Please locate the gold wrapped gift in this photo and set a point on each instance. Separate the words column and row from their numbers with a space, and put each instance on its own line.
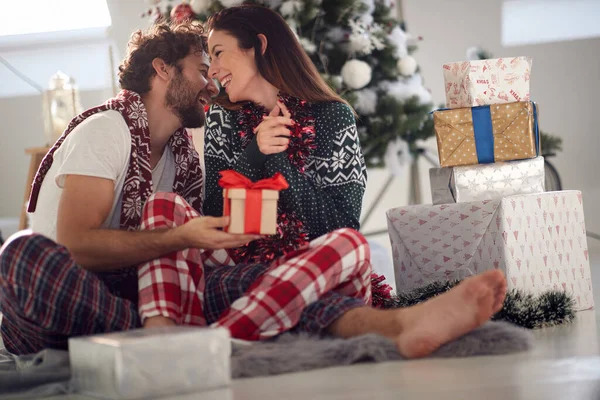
column 487, row 134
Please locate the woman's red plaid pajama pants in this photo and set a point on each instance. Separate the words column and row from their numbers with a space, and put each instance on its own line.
column 311, row 287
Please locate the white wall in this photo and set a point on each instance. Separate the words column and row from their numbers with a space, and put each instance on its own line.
column 21, row 126
column 126, row 18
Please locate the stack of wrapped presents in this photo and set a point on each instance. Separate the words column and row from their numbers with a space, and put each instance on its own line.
column 489, row 208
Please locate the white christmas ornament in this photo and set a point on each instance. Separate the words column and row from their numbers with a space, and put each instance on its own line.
column 290, row 8
column 407, row 66
column 356, row 74
column 399, row 39
column 231, row 3
column 366, row 101
column 199, row 6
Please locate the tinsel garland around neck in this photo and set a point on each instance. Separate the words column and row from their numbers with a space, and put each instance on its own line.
column 553, row 307
column 302, row 139
column 291, row 232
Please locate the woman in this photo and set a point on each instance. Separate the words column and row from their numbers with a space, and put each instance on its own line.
column 278, row 115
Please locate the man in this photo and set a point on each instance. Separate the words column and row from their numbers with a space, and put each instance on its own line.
column 98, row 214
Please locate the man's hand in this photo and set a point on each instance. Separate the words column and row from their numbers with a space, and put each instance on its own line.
column 204, row 233
column 272, row 134
column 85, row 204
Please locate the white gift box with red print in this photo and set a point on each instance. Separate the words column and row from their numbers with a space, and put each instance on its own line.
column 538, row 240
column 485, row 82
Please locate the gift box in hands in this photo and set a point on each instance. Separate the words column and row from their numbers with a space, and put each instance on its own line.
column 251, row 206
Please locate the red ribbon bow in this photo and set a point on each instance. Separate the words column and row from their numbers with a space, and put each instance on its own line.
column 231, row 179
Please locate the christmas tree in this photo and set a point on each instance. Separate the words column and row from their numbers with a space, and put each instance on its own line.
column 362, row 51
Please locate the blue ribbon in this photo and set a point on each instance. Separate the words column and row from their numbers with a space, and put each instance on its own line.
column 484, row 134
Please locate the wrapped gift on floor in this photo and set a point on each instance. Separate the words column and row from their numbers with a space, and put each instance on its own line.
column 484, row 82
column 487, row 134
column 149, row 363
column 252, row 206
column 486, row 181
column 538, row 240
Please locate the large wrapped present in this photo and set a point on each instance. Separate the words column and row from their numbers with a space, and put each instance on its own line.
column 149, row 363
column 538, row 240
column 487, row 134
column 484, row 82
column 486, row 181
column 252, row 206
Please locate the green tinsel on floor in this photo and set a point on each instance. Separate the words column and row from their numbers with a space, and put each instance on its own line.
column 551, row 308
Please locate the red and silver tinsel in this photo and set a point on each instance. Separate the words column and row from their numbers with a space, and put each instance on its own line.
column 292, row 234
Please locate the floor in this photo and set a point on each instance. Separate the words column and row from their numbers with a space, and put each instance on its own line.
column 565, row 364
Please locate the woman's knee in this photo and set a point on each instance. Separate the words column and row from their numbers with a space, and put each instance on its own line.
column 351, row 244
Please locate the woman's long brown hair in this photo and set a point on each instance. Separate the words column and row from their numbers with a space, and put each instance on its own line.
column 284, row 63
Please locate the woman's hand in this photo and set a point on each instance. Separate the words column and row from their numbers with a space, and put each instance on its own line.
column 272, row 134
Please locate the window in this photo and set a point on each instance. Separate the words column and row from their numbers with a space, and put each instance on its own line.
column 45, row 36
column 40, row 16
column 542, row 21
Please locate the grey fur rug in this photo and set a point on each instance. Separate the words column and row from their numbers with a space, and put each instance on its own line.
column 47, row 372
column 293, row 353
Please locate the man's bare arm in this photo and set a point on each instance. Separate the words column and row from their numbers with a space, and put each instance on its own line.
column 85, row 204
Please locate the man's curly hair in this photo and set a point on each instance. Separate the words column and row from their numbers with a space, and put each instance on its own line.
column 170, row 42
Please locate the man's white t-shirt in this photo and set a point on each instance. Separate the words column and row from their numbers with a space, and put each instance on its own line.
column 100, row 146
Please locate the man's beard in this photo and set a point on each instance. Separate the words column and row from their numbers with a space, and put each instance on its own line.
column 182, row 99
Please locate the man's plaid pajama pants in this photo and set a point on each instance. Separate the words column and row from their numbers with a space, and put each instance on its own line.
column 46, row 297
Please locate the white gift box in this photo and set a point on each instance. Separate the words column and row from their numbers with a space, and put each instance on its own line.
column 486, row 181
column 485, row 82
column 148, row 363
column 538, row 240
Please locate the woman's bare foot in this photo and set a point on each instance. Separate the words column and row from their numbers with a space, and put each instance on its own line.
column 154, row 322
column 427, row 326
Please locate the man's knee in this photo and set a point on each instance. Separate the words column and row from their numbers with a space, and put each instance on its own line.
column 19, row 250
column 22, row 254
